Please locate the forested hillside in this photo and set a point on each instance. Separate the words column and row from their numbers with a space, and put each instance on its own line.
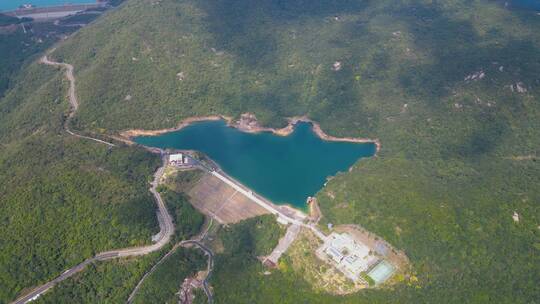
column 451, row 89
column 18, row 45
column 62, row 199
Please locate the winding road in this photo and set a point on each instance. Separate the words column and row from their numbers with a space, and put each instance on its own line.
column 74, row 103
column 186, row 243
column 196, row 241
column 166, row 225
column 210, row 255
column 167, row 230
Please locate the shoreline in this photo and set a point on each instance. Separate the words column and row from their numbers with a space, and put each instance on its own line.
column 129, row 134
column 248, row 123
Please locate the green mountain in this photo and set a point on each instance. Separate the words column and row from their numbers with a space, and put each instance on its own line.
column 451, row 89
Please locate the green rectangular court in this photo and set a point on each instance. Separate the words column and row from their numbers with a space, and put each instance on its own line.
column 382, row 272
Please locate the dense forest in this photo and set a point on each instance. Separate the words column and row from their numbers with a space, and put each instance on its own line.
column 188, row 221
column 112, row 282
column 163, row 284
column 451, row 89
column 105, row 282
column 62, row 199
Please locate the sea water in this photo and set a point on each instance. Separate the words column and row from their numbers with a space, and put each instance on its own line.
column 9, row 5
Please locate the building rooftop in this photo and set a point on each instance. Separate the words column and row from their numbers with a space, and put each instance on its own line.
column 176, row 157
column 351, row 257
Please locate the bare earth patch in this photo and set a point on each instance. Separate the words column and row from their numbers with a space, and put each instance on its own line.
column 214, row 198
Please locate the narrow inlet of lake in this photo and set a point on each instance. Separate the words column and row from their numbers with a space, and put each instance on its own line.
column 284, row 169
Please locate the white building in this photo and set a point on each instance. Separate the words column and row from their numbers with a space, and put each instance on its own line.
column 350, row 257
column 177, row 159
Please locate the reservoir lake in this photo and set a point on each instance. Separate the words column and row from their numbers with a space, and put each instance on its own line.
column 284, row 169
column 9, row 5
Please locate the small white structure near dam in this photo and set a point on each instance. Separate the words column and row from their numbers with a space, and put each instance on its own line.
column 347, row 255
column 178, row 159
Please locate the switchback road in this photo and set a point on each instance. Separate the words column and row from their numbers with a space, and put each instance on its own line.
column 166, row 225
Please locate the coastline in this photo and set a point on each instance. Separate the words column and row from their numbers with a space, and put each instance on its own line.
column 247, row 123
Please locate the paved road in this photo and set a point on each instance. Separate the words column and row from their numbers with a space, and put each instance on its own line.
column 72, row 97
column 284, row 243
column 198, row 241
column 210, row 267
column 267, row 206
column 166, row 224
column 210, row 255
column 34, row 294
column 167, row 230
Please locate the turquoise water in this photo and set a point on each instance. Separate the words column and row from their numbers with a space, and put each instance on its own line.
column 8, row 5
column 284, row 169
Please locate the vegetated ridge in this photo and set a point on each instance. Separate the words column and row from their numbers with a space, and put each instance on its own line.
column 166, row 225
column 451, row 89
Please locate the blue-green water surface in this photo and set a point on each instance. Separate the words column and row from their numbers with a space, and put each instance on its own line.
column 9, row 5
column 284, row 169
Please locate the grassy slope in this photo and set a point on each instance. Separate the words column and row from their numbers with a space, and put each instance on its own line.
column 444, row 186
